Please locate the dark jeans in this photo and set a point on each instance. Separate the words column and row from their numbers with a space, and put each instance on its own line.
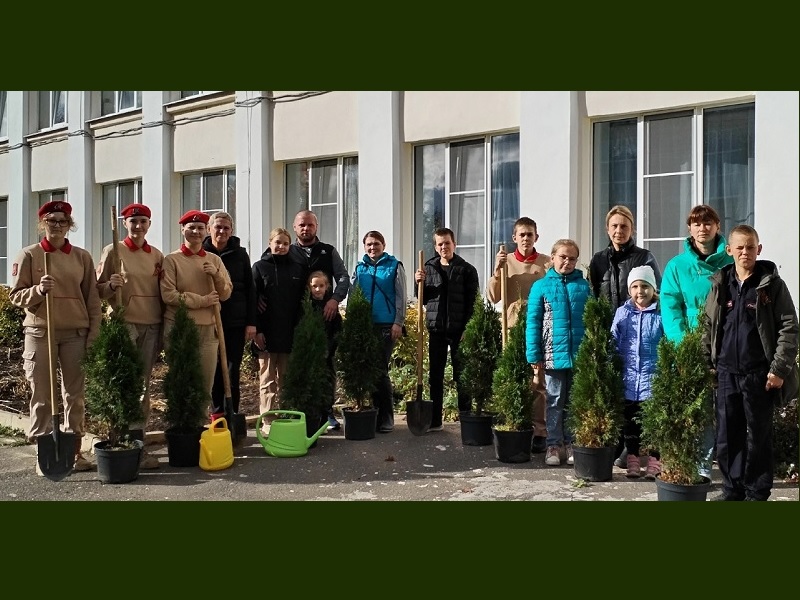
column 632, row 429
column 744, row 434
column 234, row 350
column 438, row 343
column 383, row 397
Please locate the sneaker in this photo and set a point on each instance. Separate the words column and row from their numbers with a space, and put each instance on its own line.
column 568, row 452
column 148, row 461
column 81, row 464
column 634, row 467
column 553, row 456
column 539, row 444
column 333, row 424
column 438, row 427
column 621, row 460
column 653, row 468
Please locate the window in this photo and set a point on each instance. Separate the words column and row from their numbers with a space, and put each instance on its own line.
column 210, row 191
column 54, row 196
column 3, row 115
column 114, row 102
column 190, row 94
column 3, row 239
column 329, row 188
column 52, row 109
column 456, row 186
column 702, row 156
column 118, row 195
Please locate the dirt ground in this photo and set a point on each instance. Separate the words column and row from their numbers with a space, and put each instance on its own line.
column 14, row 391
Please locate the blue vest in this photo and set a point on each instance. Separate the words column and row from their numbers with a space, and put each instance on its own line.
column 377, row 281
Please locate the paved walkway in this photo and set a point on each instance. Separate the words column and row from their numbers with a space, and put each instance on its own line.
column 393, row 466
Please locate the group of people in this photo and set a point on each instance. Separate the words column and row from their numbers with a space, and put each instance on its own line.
column 749, row 326
column 750, row 333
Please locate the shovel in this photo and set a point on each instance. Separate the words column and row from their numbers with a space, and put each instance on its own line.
column 504, row 298
column 419, row 412
column 55, row 452
column 115, row 256
column 237, row 429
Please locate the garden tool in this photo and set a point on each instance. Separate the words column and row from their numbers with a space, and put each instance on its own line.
column 216, row 446
column 504, row 297
column 287, row 437
column 55, row 453
column 236, row 420
column 419, row 412
column 115, row 255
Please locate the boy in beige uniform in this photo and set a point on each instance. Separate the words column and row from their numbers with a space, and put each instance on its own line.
column 186, row 276
column 140, row 272
column 524, row 267
column 75, row 321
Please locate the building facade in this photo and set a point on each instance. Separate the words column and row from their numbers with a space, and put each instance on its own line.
column 404, row 163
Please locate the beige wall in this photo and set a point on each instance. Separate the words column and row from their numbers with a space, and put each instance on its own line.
column 603, row 104
column 50, row 166
column 209, row 144
column 435, row 115
column 117, row 158
column 325, row 125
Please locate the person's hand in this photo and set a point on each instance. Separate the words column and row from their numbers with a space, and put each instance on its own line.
column 500, row 260
column 259, row 341
column 116, row 281
column 212, row 298
column 773, row 382
column 46, row 284
column 249, row 332
column 210, row 269
column 419, row 275
column 397, row 331
column 330, row 310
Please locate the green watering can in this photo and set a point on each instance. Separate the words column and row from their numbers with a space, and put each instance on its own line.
column 287, row 437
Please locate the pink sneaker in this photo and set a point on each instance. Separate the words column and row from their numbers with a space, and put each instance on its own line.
column 653, row 468
column 634, row 467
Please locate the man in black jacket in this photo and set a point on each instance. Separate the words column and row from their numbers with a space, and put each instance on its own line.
column 449, row 292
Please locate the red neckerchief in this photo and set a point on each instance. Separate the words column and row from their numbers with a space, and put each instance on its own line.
column 133, row 247
column 526, row 259
column 187, row 252
column 48, row 247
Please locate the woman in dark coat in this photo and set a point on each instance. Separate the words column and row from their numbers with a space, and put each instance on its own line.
column 280, row 280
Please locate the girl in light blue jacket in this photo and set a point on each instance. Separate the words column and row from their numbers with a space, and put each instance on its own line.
column 637, row 329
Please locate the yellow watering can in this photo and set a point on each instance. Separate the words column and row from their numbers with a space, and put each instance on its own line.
column 287, row 437
column 216, row 447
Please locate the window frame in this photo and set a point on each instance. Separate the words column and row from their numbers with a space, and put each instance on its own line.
column 3, row 115
column 51, row 111
column 106, row 235
column 4, row 240
column 228, row 191
column 697, row 171
column 117, row 99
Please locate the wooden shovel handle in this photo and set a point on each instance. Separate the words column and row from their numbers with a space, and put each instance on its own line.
column 48, row 304
column 504, row 297
column 223, row 354
column 115, row 254
column 420, row 320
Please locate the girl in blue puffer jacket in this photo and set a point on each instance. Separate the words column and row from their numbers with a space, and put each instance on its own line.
column 637, row 330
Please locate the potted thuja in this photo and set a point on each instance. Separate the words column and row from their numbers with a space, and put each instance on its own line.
column 479, row 351
column 114, row 373
column 185, row 391
column 357, row 368
column 596, row 405
column 512, row 398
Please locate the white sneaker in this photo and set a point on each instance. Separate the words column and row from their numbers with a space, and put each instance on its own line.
column 570, row 457
column 553, row 456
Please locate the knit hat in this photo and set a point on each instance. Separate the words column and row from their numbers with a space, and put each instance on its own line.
column 194, row 216
column 644, row 273
column 135, row 210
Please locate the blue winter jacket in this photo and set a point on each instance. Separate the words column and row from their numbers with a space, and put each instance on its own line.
column 555, row 318
column 637, row 333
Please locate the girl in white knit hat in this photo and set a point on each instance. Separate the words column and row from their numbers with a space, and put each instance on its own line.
column 637, row 329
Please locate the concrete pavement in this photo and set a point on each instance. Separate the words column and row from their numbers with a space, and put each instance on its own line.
column 393, row 466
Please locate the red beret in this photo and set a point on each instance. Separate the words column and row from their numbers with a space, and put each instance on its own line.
column 55, row 206
column 135, row 210
column 194, row 216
